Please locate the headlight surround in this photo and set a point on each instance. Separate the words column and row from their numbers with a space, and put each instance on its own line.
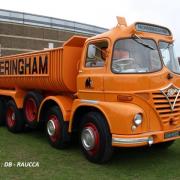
column 138, row 119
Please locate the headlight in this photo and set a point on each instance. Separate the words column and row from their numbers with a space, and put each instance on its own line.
column 138, row 119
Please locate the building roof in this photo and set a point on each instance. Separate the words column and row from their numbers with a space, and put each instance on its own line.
column 49, row 22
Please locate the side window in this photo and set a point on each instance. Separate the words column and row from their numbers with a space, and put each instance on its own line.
column 96, row 54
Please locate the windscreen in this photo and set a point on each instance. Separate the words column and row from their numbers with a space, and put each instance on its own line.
column 168, row 57
column 135, row 55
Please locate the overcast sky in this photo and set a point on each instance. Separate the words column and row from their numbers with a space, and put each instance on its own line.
column 103, row 12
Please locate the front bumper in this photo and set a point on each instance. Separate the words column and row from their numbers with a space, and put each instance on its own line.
column 145, row 138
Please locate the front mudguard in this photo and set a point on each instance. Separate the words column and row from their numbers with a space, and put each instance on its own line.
column 119, row 115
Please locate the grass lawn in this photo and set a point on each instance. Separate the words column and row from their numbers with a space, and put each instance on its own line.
column 70, row 163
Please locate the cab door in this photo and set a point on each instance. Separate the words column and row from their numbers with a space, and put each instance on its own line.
column 90, row 81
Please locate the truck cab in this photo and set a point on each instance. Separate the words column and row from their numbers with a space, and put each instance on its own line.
column 131, row 76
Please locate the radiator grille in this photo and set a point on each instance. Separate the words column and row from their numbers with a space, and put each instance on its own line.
column 163, row 107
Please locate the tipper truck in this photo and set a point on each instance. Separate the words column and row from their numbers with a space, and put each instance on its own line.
column 120, row 88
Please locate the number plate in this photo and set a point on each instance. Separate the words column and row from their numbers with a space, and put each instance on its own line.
column 171, row 134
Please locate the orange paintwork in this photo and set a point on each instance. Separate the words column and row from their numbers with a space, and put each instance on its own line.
column 118, row 96
column 21, row 71
column 64, row 103
column 136, row 91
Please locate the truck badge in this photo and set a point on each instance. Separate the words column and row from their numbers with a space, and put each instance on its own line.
column 88, row 83
column 171, row 93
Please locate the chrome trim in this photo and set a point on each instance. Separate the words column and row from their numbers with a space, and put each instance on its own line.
column 88, row 139
column 13, row 118
column 130, row 140
column 89, row 101
column 169, row 85
column 51, row 128
column 176, row 90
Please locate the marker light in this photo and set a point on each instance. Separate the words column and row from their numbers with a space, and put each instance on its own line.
column 133, row 128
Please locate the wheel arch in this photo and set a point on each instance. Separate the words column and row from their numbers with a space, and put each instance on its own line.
column 64, row 104
column 80, row 111
column 16, row 95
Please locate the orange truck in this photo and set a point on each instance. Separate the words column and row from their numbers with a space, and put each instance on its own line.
column 117, row 89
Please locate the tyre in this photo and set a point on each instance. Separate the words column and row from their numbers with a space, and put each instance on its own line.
column 31, row 105
column 14, row 119
column 57, row 128
column 95, row 138
column 2, row 112
column 164, row 145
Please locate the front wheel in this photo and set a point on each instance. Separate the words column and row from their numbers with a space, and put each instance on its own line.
column 95, row 138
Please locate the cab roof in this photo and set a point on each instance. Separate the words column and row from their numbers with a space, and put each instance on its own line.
column 141, row 29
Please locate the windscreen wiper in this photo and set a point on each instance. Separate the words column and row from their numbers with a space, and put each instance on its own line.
column 169, row 45
column 135, row 37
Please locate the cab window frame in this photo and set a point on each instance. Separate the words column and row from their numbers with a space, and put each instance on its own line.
column 139, row 73
column 164, row 65
column 86, row 54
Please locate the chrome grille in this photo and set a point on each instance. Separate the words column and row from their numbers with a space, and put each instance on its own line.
column 168, row 117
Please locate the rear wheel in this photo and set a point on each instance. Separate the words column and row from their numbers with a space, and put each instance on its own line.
column 31, row 105
column 2, row 112
column 57, row 128
column 95, row 138
column 14, row 119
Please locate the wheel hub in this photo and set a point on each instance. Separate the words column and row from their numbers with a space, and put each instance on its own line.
column 88, row 138
column 51, row 129
column 31, row 110
column 13, row 117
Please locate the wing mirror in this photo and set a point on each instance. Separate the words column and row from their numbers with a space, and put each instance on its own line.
column 91, row 51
